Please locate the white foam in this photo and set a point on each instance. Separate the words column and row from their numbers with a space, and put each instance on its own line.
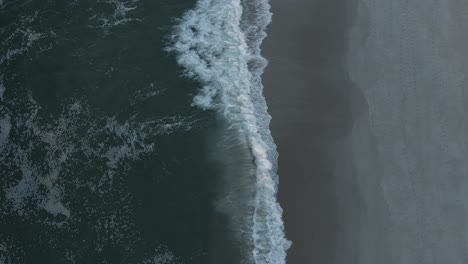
column 5, row 127
column 3, row 252
column 2, row 89
column 115, row 228
column 18, row 38
column 55, row 207
column 151, row 90
column 213, row 48
column 162, row 255
column 41, row 186
column 27, row 187
column 119, row 16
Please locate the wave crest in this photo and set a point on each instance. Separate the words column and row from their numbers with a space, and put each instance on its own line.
column 218, row 44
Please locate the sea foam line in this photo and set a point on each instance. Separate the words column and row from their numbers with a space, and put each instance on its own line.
column 216, row 45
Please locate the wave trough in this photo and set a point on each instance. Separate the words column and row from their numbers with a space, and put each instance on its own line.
column 218, row 44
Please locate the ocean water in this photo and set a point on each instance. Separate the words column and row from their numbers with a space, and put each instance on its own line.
column 135, row 131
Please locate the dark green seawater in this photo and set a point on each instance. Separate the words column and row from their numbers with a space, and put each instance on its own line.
column 103, row 158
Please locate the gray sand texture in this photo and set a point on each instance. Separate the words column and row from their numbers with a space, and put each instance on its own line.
column 369, row 105
column 409, row 58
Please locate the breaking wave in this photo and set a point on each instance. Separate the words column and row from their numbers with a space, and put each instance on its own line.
column 218, row 44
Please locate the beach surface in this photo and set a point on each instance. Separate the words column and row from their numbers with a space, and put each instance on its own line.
column 368, row 100
column 313, row 105
column 410, row 147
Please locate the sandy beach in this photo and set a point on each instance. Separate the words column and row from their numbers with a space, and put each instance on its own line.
column 368, row 100
column 313, row 105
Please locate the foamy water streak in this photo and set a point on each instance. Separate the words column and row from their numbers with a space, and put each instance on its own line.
column 218, row 47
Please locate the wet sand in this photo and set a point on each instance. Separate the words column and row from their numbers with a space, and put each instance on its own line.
column 313, row 105
column 370, row 124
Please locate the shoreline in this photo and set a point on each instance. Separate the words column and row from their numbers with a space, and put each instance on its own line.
column 313, row 105
column 205, row 39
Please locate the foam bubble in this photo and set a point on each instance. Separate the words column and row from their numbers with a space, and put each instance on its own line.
column 5, row 127
column 162, row 255
column 218, row 47
column 41, row 186
column 55, row 207
column 149, row 91
column 2, row 89
column 118, row 17
column 27, row 187
column 18, row 38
